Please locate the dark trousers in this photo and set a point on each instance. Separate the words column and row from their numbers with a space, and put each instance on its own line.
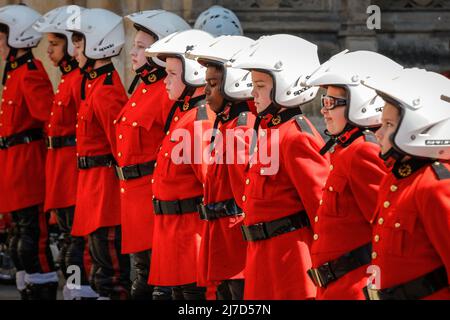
column 140, row 289
column 231, row 290
column 74, row 251
column 111, row 277
column 189, row 292
column 29, row 243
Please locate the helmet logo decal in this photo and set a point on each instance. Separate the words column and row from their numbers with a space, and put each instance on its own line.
column 445, row 98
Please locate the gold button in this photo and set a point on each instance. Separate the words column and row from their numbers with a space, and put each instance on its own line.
column 247, row 181
column 124, row 118
column 144, row 90
column 57, row 91
column 119, row 154
column 262, row 171
column 9, row 102
column 376, row 238
column 394, row 188
column 160, row 148
column 176, row 119
column 243, row 198
column 122, row 190
column 316, row 219
column 4, row 88
column 1, row 111
column 62, row 80
column 51, row 113
column 380, row 221
column 9, row 77
column 397, row 225
column 263, row 133
column 374, row 255
column 153, row 180
column 255, row 150
column 115, row 121
column 316, row 237
column 166, row 154
column 386, row 204
column 120, row 137
column 133, row 104
column 82, row 118
column 156, row 164
column 76, row 126
column 331, row 188
column 135, row 124
column 89, row 85
column 251, row 165
column 49, row 125
column 320, row 202
column 331, row 167
column 59, row 103
column 167, row 133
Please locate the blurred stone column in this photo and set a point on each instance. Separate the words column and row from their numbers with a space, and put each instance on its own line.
column 354, row 34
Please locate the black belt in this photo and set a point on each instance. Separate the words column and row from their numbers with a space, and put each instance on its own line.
column 61, row 142
column 176, row 206
column 333, row 270
column 267, row 230
column 21, row 138
column 413, row 290
column 135, row 171
column 106, row 160
column 218, row 210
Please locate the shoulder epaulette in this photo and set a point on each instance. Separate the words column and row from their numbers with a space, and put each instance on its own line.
column 440, row 170
column 369, row 136
column 242, row 119
column 202, row 113
column 303, row 124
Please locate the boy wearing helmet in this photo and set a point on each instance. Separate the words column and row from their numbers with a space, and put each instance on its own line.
column 139, row 137
column 98, row 35
column 61, row 162
column 279, row 200
column 223, row 250
column 26, row 101
column 341, row 248
column 411, row 227
column 179, row 174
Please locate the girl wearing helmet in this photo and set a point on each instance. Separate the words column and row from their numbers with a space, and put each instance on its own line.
column 98, row 35
column 228, row 90
column 179, row 174
column 61, row 164
column 411, row 226
column 26, row 99
column 138, row 137
column 282, row 196
column 341, row 248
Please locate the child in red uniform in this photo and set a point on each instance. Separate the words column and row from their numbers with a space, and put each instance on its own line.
column 26, row 101
column 282, row 193
column 341, row 251
column 411, row 227
column 97, row 37
column 138, row 139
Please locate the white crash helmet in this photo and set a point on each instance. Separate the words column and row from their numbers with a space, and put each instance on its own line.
column 237, row 83
column 20, row 19
column 219, row 21
column 346, row 70
column 158, row 23
column 287, row 59
column 103, row 31
column 424, row 101
column 58, row 18
column 177, row 45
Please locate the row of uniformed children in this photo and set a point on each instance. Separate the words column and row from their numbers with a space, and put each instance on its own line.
column 364, row 215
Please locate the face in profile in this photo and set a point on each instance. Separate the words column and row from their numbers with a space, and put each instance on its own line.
column 214, row 97
column 389, row 122
column 173, row 81
column 56, row 48
column 262, row 88
column 142, row 41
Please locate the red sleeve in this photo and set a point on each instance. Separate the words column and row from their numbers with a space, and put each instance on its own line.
column 200, row 146
column 107, row 104
column 307, row 168
column 433, row 201
column 38, row 93
column 365, row 174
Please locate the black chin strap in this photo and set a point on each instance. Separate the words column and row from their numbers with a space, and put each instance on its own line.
column 272, row 110
column 88, row 67
column 187, row 92
column 146, row 68
column 11, row 57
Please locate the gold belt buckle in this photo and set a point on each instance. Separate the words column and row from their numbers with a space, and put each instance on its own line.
column 120, row 173
column 50, row 143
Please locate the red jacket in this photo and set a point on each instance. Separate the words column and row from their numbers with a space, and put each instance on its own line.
column 98, row 196
column 61, row 163
column 276, row 268
column 411, row 230
column 138, row 139
column 26, row 101
column 348, row 204
column 176, row 238
column 223, row 249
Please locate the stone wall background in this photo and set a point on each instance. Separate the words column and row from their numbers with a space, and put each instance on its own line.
column 413, row 32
